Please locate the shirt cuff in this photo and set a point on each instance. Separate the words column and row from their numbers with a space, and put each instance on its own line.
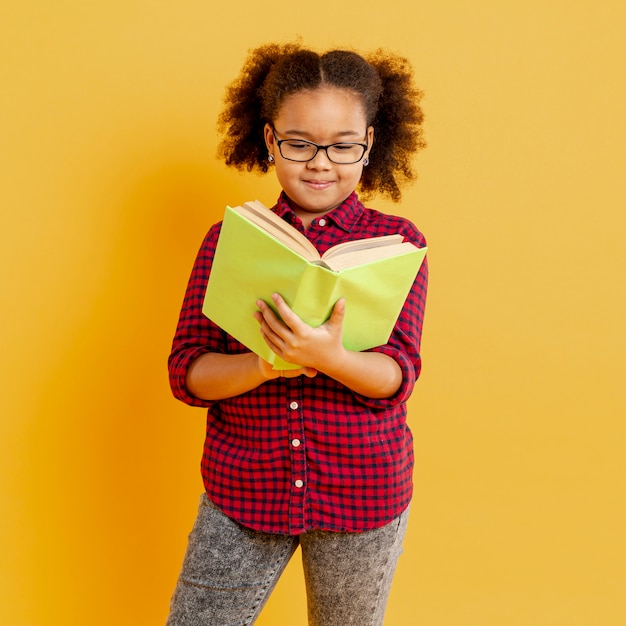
column 410, row 372
column 178, row 378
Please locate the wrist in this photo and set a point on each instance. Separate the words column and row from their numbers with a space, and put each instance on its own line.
column 265, row 370
column 337, row 363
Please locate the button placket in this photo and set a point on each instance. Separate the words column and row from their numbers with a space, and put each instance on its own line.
column 298, row 464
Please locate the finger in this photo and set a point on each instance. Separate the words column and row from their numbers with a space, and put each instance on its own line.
column 271, row 319
column 265, row 311
column 265, row 328
column 266, row 369
column 309, row 372
column 274, row 342
column 339, row 311
column 290, row 319
column 272, row 328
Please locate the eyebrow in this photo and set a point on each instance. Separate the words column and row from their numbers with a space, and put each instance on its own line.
column 303, row 133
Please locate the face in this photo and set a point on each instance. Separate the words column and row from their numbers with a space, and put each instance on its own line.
column 324, row 116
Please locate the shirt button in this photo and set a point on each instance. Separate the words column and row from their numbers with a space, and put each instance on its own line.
column 299, row 484
column 293, row 405
column 295, row 443
column 322, row 222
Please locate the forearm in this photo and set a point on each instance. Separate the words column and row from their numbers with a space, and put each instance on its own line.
column 370, row 374
column 214, row 376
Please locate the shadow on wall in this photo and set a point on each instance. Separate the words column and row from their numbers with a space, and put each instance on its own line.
column 109, row 448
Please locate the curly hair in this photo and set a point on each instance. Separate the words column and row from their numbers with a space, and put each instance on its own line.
column 382, row 80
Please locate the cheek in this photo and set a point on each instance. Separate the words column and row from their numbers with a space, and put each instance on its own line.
column 353, row 176
column 287, row 170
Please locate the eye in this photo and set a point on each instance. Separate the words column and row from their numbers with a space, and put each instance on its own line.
column 298, row 145
column 344, row 146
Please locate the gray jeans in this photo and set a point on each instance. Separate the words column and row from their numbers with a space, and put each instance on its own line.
column 229, row 572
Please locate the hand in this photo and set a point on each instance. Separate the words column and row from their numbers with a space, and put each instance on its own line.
column 295, row 341
column 269, row 372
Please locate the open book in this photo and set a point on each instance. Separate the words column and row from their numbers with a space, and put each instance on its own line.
column 258, row 253
column 339, row 257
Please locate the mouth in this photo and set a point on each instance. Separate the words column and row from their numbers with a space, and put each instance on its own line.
column 318, row 184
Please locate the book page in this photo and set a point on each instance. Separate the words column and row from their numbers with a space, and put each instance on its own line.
column 266, row 219
column 360, row 244
column 363, row 256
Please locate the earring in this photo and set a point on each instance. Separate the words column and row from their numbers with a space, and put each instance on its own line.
column 366, row 162
column 270, row 158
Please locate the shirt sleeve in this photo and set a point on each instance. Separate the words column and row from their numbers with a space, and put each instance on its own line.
column 405, row 340
column 195, row 333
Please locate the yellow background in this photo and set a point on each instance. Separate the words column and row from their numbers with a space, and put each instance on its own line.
column 108, row 181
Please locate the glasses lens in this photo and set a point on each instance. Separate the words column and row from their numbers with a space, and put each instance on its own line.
column 297, row 150
column 345, row 152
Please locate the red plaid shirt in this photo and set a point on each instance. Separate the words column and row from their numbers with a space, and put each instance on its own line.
column 296, row 454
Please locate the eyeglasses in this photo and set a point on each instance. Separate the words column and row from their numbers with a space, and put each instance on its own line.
column 301, row 151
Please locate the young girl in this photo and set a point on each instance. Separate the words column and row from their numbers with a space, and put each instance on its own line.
column 319, row 457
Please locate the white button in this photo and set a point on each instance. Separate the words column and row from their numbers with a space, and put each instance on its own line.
column 293, row 405
column 295, row 443
column 322, row 222
column 299, row 484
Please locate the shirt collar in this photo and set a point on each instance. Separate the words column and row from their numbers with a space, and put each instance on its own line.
column 345, row 215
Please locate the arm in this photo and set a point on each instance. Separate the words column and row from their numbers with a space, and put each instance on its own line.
column 371, row 374
column 201, row 369
column 214, row 376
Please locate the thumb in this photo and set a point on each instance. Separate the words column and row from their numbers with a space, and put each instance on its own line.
column 339, row 310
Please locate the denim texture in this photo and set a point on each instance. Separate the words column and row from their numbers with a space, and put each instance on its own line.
column 229, row 572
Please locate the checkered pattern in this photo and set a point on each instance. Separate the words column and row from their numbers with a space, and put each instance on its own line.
column 302, row 453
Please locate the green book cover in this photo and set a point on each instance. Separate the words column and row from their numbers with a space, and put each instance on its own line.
column 251, row 264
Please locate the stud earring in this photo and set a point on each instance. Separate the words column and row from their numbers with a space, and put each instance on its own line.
column 366, row 162
column 270, row 158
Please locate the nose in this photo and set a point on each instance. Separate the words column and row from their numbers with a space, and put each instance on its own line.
column 320, row 160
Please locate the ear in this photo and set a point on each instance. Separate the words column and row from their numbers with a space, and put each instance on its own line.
column 370, row 140
column 270, row 140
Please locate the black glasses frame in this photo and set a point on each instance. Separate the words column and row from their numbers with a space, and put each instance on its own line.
column 319, row 147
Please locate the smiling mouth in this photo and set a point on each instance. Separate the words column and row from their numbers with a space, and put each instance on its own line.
column 318, row 184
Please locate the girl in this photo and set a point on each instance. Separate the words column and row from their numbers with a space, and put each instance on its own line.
column 320, row 457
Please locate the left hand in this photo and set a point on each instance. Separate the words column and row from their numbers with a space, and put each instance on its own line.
column 269, row 372
column 295, row 341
